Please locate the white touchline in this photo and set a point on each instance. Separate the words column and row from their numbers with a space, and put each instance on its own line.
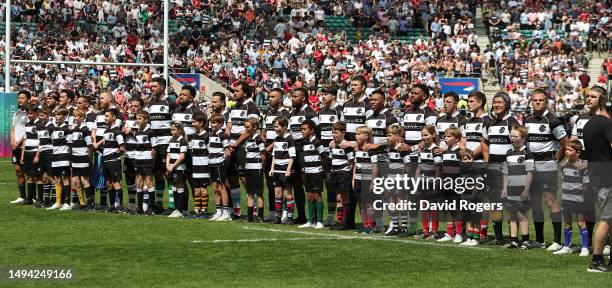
column 263, row 240
column 371, row 238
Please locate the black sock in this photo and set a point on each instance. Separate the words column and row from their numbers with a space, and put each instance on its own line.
column 139, row 197
column 66, row 194
column 22, row 191
column 103, row 197
column 260, row 211
column 40, row 188
column 31, row 191
column 89, row 193
column 250, row 213
column 498, row 229
column 525, row 238
column 590, row 226
column 538, row 223
column 597, row 258
column 185, row 201
column 556, row 222
column 53, row 193
column 111, row 197
column 514, row 239
column 120, row 194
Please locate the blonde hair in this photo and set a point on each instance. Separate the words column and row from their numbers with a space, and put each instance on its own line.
column 453, row 131
column 395, row 130
column 364, row 130
column 254, row 123
column 522, row 130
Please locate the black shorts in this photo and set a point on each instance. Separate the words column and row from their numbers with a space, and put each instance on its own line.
column 236, row 162
column 340, row 182
column 200, row 183
column 495, row 184
column 313, row 183
column 298, row 165
column 44, row 162
column 573, row 208
column 112, row 171
column 159, row 164
column 28, row 167
column 217, row 174
column 517, row 206
column 81, row 172
column 280, row 180
column 363, row 192
column 143, row 170
column 128, row 167
column 63, row 171
column 544, row 181
column 254, row 183
column 176, row 176
column 16, row 156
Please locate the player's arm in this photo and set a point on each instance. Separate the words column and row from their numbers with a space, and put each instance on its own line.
column 484, row 147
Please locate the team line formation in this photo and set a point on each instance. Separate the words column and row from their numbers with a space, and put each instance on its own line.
column 70, row 151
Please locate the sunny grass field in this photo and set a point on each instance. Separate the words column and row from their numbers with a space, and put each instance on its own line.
column 112, row 250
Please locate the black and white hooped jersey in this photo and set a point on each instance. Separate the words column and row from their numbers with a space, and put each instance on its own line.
column 239, row 114
column 579, row 126
column 473, row 131
column 270, row 133
column 313, row 149
column 518, row 164
column 176, row 147
column 283, row 151
column 341, row 159
column 160, row 115
column 428, row 161
column 113, row 138
column 379, row 122
column 497, row 134
column 90, row 120
column 327, row 117
column 80, row 141
column 397, row 161
column 253, row 147
column 575, row 179
column 414, row 120
column 451, row 162
column 100, row 124
column 70, row 119
column 184, row 115
column 544, row 134
column 355, row 114
column 141, row 143
column 130, row 138
column 217, row 143
column 457, row 120
column 296, row 118
column 363, row 165
column 60, row 136
column 44, row 131
column 31, row 141
column 198, row 146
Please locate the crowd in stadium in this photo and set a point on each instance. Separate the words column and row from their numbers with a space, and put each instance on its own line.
column 339, row 112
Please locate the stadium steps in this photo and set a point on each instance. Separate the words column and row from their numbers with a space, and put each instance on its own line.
column 490, row 87
column 595, row 66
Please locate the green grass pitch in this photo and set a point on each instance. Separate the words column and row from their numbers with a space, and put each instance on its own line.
column 111, row 250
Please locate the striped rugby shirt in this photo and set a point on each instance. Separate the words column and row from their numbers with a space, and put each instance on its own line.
column 31, row 141
column 270, row 133
column 131, row 142
column 363, row 165
column 575, row 176
column 379, row 122
column 80, row 141
column 544, row 134
column 44, row 131
column 428, row 161
column 112, row 140
column 312, row 156
column 340, row 159
column 237, row 116
column 296, row 118
column 184, row 115
column 451, row 162
column 413, row 122
column 397, row 161
column 456, row 120
column 198, row 145
column 327, row 117
column 176, row 147
column 497, row 134
column 60, row 135
column 141, row 143
column 473, row 132
column 100, row 124
column 579, row 126
column 355, row 114
column 518, row 164
column 284, row 149
column 254, row 146
column 217, row 143
column 160, row 118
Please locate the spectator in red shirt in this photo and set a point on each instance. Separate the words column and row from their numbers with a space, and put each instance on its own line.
column 585, row 79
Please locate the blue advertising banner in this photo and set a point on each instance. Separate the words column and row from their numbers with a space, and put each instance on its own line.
column 461, row 86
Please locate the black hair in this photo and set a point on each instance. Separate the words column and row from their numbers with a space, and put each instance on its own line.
column 192, row 90
column 422, row 87
column 25, row 92
column 220, row 95
column 452, row 94
column 311, row 124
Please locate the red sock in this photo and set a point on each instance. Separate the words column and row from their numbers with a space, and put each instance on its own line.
column 425, row 221
column 278, row 204
column 458, row 227
column 449, row 229
column 434, row 221
column 484, row 224
column 339, row 214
